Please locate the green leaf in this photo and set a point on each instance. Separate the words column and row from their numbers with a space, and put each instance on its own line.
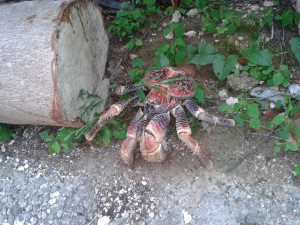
column 295, row 110
column 289, row 146
column 179, row 31
column 297, row 169
column 254, row 55
column 45, row 136
column 106, row 136
column 5, row 133
column 138, row 62
column 64, row 133
column 286, row 18
column 238, row 120
column 179, row 56
column 179, row 42
column 135, row 74
column 254, row 123
column 295, row 46
column 138, row 42
column 164, row 61
column 253, row 111
column 278, row 119
column 199, row 94
column 277, row 149
column 277, row 79
column 130, row 45
column 205, row 54
column 284, row 135
column 54, row 147
column 141, row 95
column 223, row 66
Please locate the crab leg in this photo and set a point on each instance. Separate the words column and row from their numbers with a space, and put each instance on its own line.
column 184, row 133
column 121, row 90
column 113, row 111
column 133, row 133
column 200, row 114
column 152, row 145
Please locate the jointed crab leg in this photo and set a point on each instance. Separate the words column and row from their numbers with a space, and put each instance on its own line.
column 133, row 133
column 152, row 144
column 184, row 133
column 113, row 111
column 200, row 114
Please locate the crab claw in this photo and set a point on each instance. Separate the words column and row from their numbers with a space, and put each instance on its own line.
column 152, row 144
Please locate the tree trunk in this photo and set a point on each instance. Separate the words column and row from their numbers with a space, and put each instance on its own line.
column 49, row 52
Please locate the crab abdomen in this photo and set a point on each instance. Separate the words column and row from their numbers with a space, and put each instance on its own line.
column 174, row 82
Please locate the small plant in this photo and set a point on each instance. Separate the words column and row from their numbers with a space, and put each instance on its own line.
column 5, row 133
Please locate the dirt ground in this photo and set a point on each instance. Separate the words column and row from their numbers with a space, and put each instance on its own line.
column 248, row 185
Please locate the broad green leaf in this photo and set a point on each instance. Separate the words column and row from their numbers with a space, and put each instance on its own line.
column 179, row 31
column 179, row 42
column 179, row 56
column 199, row 94
column 130, row 45
column 5, row 133
column 238, row 120
column 45, row 136
column 64, row 133
column 297, row 169
column 295, row 46
column 106, row 136
column 164, row 61
column 141, row 95
column 205, row 54
column 284, row 135
column 223, row 66
column 294, row 110
column 286, row 18
column 277, row 79
column 256, row 56
column 254, row 123
column 289, row 146
column 276, row 149
column 54, row 147
column 138, row 62
column 278, row 119
column 138, row 42
column 253, row 111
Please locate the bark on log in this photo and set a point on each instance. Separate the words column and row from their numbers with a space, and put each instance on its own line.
column 49, row 51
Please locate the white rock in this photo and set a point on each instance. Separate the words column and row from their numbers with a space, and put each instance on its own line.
column 240, row 38
column 223, row 94
column 133, row 56
column 3, row 148
column 190, row 33
column 103, row 220
column 144, row 182
column 11, row 142
column 186, row 217
column 268, row 3
column 26, row 166
column 272, row 105
column 54, row 194
column 52, row 201
column 232, row 100
column 165, row 24
column 17, row 222
column 294, row 89
column 192, row 12
column 176, row 16
column 21, row 168
column 254, row 7
column 169, row 36
column 201, row 33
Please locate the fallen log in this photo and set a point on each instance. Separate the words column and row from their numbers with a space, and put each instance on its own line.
column 49, row 52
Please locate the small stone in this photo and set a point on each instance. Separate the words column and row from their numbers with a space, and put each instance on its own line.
column 186, row 217
column 243, row 82
column 176, row 16
column 54, row 194
column 223, row 94
column 294, row 89
column 268, row 3
column 103, row 220
column 192, row 12
column 254, row 7
column 165, row 24
column 52, row 201
column 48, row 211
column 240, row 38
column 59, row 213
column 169, row 36
column 3, row 148
column 44, row 215
column 272, row 105
column 232, row 100
column 18, row 222
column 190, row 33
column 103, row 199
column 21, row 168
column 144, row 183
column 133, row 56
column 151, row 214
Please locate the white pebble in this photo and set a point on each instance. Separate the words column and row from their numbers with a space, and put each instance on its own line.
column 272, row 105
column 231, row 100
column 144, row 182
column 294, row 89
column 103, row 220
column 176, row 16
column 268, row 3
column 21, row 168
column 190, row 33
column 186, row 217
column 52, row 201
column 169, row 36
column 192, row 12
column 223, row 94
column 3, row 148
column 54, row 194
column 133, row 56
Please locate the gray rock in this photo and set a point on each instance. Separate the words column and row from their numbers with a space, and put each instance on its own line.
column 243, row 82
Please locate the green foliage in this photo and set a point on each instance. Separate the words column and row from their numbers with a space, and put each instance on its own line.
column 295, row 46
column 256, row 56
column 5, row 133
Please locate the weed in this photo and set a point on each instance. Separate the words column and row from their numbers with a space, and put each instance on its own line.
column 5, row 133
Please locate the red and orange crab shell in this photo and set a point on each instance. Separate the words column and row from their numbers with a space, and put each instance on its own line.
column 170, row 90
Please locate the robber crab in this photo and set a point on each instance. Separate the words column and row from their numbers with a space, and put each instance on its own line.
column 170, row 90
